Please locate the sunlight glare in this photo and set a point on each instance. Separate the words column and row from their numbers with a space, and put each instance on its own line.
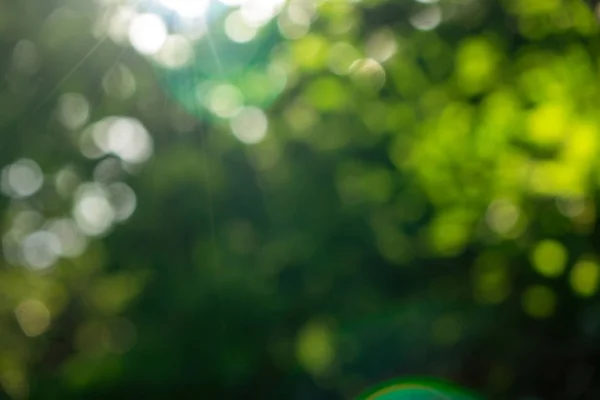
column 259, row 12
column 148, row 33
column 92, row 210
column 188, row 8
column 233, row 3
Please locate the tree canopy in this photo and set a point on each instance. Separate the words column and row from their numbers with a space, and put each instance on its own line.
column 298, row 199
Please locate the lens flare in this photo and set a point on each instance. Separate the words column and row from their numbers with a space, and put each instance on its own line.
column 415, row 390
column 198, row 46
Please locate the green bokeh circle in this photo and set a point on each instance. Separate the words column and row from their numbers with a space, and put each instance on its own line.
column 416, row 389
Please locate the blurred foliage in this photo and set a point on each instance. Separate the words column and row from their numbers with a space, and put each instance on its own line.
column 298, row 199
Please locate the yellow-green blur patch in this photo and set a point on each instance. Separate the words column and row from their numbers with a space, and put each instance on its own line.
column 450, row 232
column 327, row 94
column 477, row 64
column 547, row 124
column 533, row 7
column 315, row 348
column 311, row 52
column 584, row 278
column 582, row 144
column 539, row 301
column 549, row 258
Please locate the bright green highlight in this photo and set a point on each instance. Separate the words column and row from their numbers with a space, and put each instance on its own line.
column 585, row 277
column 416, row 390
column 549, row 258
column 315, row 348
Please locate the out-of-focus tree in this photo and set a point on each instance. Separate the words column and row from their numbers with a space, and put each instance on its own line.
column 298, row 199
